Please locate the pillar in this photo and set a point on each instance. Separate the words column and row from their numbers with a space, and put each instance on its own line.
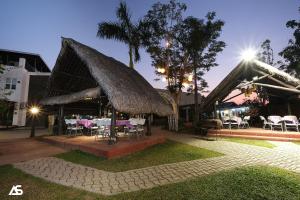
column 148, row 125
column 112, row 136
column 60, row 119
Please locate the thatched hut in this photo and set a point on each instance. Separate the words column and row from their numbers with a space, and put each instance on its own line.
column 82, row 73
column 280, row 87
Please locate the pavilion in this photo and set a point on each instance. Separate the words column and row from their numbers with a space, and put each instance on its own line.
column 281, row 89
column 86, row 81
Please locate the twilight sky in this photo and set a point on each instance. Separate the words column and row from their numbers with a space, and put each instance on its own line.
column 37, row 25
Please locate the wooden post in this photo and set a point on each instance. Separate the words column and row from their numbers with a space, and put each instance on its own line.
column 112, row 137
column 148, row 125
column 60, row 119
column 100, row 109
column 215, row 111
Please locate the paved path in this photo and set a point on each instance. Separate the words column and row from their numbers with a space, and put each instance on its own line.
column 109, row 183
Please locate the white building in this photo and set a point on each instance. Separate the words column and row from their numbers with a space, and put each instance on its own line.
column 22, row 82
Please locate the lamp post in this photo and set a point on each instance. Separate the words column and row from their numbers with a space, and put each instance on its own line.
column 34, row 111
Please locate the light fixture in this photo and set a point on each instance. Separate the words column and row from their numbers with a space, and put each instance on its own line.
column 162, row 70
column 248, row 54
column 185, row 84
column 190, row 78
column 34, row 110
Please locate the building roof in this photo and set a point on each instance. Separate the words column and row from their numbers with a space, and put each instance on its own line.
column 34, row 62
column 81, row 71
column 266, row 75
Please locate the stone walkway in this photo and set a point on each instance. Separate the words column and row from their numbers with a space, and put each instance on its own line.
column 286, row 155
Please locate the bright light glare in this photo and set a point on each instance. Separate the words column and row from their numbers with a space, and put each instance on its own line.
column 34, row 110
column 248, row 54
column 190, row 77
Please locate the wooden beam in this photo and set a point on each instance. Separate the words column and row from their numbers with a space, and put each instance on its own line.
column 278, row 87
column 250, row 82
column 275, row 80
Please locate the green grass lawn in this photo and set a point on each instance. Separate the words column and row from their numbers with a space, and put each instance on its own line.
column 259, row 183
column 297, row 143
column 168, row 152
column 261, row 143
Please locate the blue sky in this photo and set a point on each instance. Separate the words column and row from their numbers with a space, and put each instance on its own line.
column 37, row 26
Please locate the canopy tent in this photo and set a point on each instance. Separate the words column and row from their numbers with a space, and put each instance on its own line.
column 276, row 83
column 82, row 73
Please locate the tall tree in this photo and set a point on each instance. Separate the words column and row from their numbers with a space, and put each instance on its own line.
column 266, row 53
column 123, row 30
column 200, row 41
column 158, row 30
column 291, row 53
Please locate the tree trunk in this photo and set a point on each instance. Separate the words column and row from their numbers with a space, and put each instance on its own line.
column 130, row 58
column 196, row 114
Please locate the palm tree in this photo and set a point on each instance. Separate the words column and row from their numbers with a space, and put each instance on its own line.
column 123, row 30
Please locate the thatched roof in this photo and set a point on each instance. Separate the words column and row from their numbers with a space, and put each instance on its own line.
column 248, row 70
column 82, row 72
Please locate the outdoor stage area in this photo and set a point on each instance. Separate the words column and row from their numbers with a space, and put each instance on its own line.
column 256, row 133
column 100, row 147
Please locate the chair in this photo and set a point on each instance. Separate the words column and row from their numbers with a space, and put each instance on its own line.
column 233, row 121
column 276, row 122
column 244, row 123
column 103, row 128
column 93, row 127
column 265, row 122
column 140, row 126
column 291, row 121
column 74, row 127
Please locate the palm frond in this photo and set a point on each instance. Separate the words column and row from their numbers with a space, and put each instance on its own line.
column 111, row 30
column 124, row 15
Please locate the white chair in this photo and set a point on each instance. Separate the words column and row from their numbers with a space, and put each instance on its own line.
column 103, row 129
column 244, row 123
column 93, row 128
column 74, row 127
column 233, row 122
column 291, row 121
column 140, row 127
column 276, row 122
column 265, row 122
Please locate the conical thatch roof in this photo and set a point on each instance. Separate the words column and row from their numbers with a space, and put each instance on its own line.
column 81, row 71
column 248, row 70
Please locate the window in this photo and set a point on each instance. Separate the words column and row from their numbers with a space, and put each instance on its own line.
column 11, row 83
column 7, row 84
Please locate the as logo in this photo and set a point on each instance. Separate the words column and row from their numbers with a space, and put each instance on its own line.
column 16, row 190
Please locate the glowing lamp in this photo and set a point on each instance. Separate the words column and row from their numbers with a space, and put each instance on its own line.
column 190, row 78
column 185, row 84
column 34, row 110
column 248, row 55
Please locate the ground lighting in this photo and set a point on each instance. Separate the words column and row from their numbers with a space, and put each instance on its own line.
column 34, row 110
